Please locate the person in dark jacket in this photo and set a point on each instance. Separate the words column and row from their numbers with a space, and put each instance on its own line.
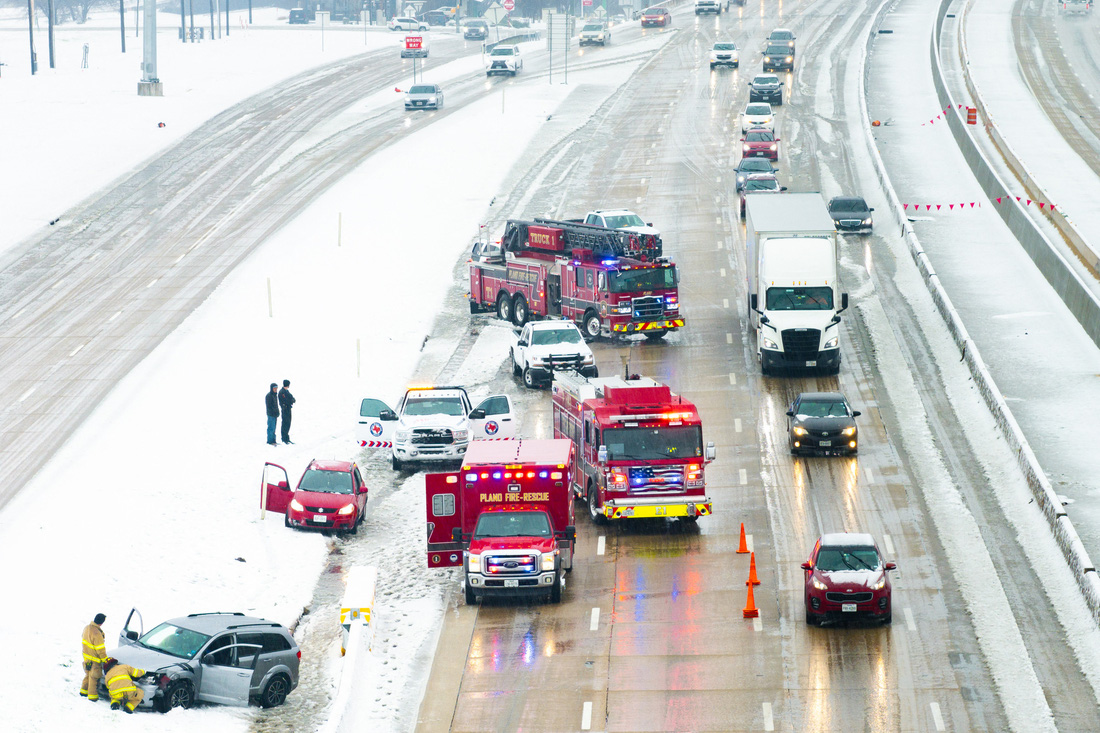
column 286, row 401
column 272, row 400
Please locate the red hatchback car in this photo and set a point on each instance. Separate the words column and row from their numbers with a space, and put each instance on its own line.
column 330, row 495
column 760, row 142
column 656, row 16
column 847, row 579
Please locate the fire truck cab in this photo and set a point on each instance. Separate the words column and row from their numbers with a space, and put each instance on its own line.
column 506, row 517
column 640, row 450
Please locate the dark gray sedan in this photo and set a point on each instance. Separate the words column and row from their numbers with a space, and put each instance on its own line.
column 851, row 214
column 424, row 96
column 822, row 422
column 749, row 166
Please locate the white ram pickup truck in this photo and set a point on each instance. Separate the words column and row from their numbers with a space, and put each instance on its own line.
column 433, row 424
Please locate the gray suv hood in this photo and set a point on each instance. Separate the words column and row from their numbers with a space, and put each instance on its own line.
column 148, row 659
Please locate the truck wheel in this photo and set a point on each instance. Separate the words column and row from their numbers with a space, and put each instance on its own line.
column 395, row 463
column 520, row 311
column 529, row 378
column 516, row 370
column 504, row 307
column 594, row 507
column 178, row 695
column 592, row 325
column 471, row 599
column 655, row 335
column 555, row 592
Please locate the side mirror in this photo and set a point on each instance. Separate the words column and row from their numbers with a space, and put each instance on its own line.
column 283, row 486
column 477, row 250
column 571, row 532
column 387, row 415
column 601, row 455
column 782, row 188
column 807, row 566
column 456, row 534
column 844, row 301
column 856, row 413
column 521, row 342
column 649, row 223
column 752, row 301
column 890, row 566
column 871, row 208
column 132, row 635
column 362, row 489
column 710, row 452
column 790, row 413
column 477, row 414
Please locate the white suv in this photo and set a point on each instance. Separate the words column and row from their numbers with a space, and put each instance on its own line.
column 724, row 53
column 407, row 24
column 503, row 60
column 545, row 347
column 757, row 114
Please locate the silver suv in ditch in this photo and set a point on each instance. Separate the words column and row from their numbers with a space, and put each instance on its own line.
column 224, row 658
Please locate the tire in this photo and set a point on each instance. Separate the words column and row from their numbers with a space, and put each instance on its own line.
column 355, row 527
column 555, row 592
column 504, row 307
column 275, row 692
column 655, row 335
column 779, row 102
column 593, row 510
column 397, row 466
column 811, row 618
column 471, row 599
column 516, row 370
column 178, row 694
column 592, row 325
column 520, row 311
column 286, row 520
column 712, row 69
column 887, row 618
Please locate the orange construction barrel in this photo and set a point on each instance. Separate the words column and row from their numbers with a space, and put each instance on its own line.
column 971, row 115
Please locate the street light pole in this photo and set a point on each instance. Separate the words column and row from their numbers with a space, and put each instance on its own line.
column 122, row 23
column 226, row 18
column 30, row 26
column 49, row 25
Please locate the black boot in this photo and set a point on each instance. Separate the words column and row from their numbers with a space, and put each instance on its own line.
column 129, row 710
column 114, row 706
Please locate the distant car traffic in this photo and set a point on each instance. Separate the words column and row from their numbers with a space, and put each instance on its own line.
column 437, row 17
column 759, row 183
column 724, row 53
column 424, row 96
column 781, row 37
column 711, row 6
column 748, row 166
column 760, row 142
column 622, row 219
column 778, row 58
column 851, row 214
column 757, row 114
column 504, row 60
column 545, row 347
column 330, row 495
column 766, row 88
column 822, row 422
column 656, row 16
column 298, row 16
column 846, row 579
column 475, row 29
column 403, row 23
column 594, row 33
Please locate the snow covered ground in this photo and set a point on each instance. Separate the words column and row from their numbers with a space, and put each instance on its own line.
column 169, row 521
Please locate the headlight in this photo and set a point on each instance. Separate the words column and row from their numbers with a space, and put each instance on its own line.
column 432, row 99
column 773, row 147
column 799, row 431
column 347, row 509
column 831, row 343
column 867, row 221
column 296, row 505
column 589, row 360
column 538, row 363
column 818, row 584
column 401, row 435
column 790, row 59
column 745, row 147
column 547, row 561
column 769, row 344
column 849, row 431
column 460, row 435
column 475, row 563
column 621, row 309
column 766, row 121
column 740, row 179
column 880, row 584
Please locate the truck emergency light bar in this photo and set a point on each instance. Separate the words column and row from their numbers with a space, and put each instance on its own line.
column 474, row 476
column 653, row 416
column 566, row 237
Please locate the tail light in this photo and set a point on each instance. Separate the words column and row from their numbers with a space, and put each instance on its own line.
column 299, row 654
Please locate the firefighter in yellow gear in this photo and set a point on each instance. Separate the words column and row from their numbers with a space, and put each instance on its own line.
column 95, row 654
column 120, row 682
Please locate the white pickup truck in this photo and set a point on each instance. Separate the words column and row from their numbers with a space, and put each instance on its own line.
column 433, row 424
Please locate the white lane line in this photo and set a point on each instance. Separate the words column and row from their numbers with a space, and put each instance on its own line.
column 769, row 724
column 718, row 244
column 179, row 258
column 936, row 717
column 729, row 338
column 722, row 272
column 725, row 303
column 870, row 476
column 757, row 624
column 653, row 145
column 74, row 351
column 744, row 475
column 909, row 622
column 643, row 181
column 717, row 220
column 719, row 180
column 595, row 620
column 600, row 544
column 737, row 427
column 733, row 378
column 748, row 542
column 27, row 394
column 152, row 283
column 889, row 544
column 116, row 315
column 648, row 162
column 586, row 716
column 17, row 314
column 639, row 200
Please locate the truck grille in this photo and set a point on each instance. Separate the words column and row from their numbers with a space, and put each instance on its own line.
column 648, row 307
column 564, row 362
column 656, row 478
column 801, row 343
column 432, row 436
column 848, row 597
column 509, row 565
column 499, row 65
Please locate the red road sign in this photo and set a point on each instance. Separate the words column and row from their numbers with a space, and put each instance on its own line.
column 587, row 3
column 412, row 43
column 509, row 5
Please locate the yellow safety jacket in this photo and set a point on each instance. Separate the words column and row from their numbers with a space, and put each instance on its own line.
column 120, row 679
column 92, row 644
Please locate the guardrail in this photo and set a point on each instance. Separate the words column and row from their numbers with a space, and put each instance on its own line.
column 1064, row 533
column 530, row 35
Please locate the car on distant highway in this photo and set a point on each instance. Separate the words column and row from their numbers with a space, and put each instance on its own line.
column 424, row 96
column 724, row 53
column 759, row 183
column 766, row 88
column 298, row 17
column 781, row 37
column 330, row 495
column 595, row 32
column 404, row 23
column 778, row 58
column 757, row 114
column 656, row 16
column 760, row 142
column 545, row 347
column 851, row 214
column 822, row 422
column 847, row 579
column 475, row 29
column 748, row 166
column 504, row 59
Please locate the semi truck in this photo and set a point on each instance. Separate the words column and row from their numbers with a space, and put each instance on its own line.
column 506, row 518
column 795, row 299
column 608, row 282
column 639, row 447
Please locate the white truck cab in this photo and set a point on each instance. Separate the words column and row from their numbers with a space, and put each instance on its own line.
column 622, row 219
column 545, row 347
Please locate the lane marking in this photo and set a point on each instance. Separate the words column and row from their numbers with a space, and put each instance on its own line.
column 179, row 258
column 17, row 314
column 748, row 542
column 729, row 338
column 74, row 351
column 744, row 475
column 722, row 272
column 639, row 200
column 151, row 284
column 769, row 724
column 733, row 378
column 719, row 179
column 757, row 624
column 586, row 716
column 936, row 717
column 116, row 315
column 718, row 243
column 717, row 220
column 725, row 303
column 889, row 544
column 595, row 620
column 870, row 476
column 600, row 544
column 643, row 181
column 28, row 393
column 909, row 622
column 737, row 425
column 648, row 162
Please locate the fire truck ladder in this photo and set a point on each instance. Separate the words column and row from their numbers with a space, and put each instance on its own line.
column 601, row 241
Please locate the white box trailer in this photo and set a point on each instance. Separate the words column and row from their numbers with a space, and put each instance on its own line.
column 793, row 282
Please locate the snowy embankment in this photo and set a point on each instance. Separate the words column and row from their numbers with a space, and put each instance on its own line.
column 153, row 502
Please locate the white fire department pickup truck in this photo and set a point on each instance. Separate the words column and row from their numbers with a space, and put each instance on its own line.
column 433, row 424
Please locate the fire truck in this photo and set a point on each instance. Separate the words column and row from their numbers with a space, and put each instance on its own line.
column 609, row 282
column 506, row 518
column 639, row 447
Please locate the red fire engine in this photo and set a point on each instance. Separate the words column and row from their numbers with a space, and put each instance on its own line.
column 639, row 447
column 506, row 517
column 607, row 281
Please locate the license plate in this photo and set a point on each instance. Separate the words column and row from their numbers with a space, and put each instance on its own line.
column 848, row 608
column 515, row 584
column 320, row 518
column 825, row 443
column 811, row 363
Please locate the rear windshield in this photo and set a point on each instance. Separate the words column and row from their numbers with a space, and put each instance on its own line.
column 174, row 640
column 512, row 524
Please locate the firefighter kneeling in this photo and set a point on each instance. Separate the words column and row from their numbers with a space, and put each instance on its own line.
column 120, row 683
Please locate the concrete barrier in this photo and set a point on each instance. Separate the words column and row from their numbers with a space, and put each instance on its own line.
column 358, row 619
column 358, row 603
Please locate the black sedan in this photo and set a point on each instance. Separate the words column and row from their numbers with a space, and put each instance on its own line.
column 851, row 214
column 822, row 422
column 748, row 166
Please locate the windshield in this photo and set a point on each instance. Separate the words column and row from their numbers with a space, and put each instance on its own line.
column 326, row 482
column 422, row 90
column 849, row 205
column 643, row 444
column 624, row 220
column 763, row 81
column 631, row 281
column 550, row 336
column 823, row 408
column 512, row 524
column 725, row 47
column 800, row 299
column 435, row 406
column 758, row 109
column 778, row 50
column 593, row 27
column 174, row 640
column 762, row 136
column 507, row 51
column 766, row 185
column 831, row 559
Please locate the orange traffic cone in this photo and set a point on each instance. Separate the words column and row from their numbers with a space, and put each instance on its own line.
column 750, row 606
column 742, row 548
column 753, row 580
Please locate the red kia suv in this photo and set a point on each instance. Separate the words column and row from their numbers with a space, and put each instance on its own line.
column 760, row 142
column 656, row 16
column 330, row 495
column 846, row 578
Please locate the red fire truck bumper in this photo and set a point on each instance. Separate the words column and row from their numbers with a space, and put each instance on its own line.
column 632, row 509
column 638, row 327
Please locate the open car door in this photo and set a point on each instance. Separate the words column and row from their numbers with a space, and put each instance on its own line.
column 227, row 674
column 376, row 424
column 442, row 506
column 132, row 630
column 275, row 491
column 493, row 419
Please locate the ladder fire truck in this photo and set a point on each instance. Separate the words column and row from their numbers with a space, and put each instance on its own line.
column 639, row 447
column 610, row 282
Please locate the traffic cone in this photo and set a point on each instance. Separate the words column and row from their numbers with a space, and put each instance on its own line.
column 753, row 580
column 750, row 606
column 743, row 548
